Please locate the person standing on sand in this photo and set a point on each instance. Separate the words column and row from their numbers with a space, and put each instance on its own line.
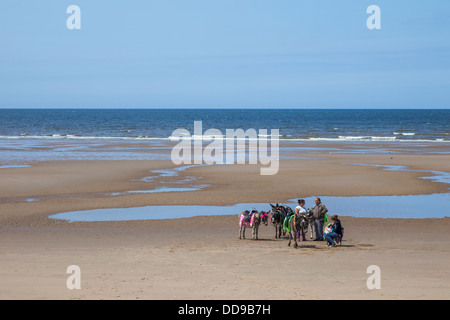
column 319, row 212
column 300, row 210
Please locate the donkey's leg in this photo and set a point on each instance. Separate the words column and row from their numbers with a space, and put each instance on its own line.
column 255, row 232
column 240, row 232
column 290, row 238
column 311, row 228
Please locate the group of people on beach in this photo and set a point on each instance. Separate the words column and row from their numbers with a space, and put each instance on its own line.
column 333, row 231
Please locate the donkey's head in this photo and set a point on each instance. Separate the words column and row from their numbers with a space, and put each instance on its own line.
column 309, row 213
column 287, row 211
column 264, row 217
column 277, row 208
column 303, row 222
column 277, row 213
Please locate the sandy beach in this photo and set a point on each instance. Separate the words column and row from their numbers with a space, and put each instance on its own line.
column 202, row 257
column 134, row 138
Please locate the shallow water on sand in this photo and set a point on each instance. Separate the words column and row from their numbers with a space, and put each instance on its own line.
column 406, row 207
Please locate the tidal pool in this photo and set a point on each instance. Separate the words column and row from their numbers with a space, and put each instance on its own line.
column 406, row 207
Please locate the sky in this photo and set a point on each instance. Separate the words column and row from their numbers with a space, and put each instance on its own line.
column 225, row 54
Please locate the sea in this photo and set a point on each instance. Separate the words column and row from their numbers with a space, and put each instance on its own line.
column 332, row 125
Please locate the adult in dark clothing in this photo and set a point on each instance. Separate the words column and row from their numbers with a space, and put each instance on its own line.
column 336, row 231
column 319, row 212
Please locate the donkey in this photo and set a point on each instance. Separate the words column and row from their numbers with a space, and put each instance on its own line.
column 279, row 215
column 295, row 224
column 251, row 220
column 310, row 219
column 277, row 219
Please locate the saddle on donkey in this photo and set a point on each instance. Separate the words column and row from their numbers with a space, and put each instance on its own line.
column 246, row 217
column 287, row 221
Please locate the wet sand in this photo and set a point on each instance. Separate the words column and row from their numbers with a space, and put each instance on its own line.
column 202, row 257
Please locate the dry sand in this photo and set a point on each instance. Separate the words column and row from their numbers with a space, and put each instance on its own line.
column 202, row 257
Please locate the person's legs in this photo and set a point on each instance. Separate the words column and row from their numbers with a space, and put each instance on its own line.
column 319, row 229
column 316, row 228
column 330, row 238
column 302, row 233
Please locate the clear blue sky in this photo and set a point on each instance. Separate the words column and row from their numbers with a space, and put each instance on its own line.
column 225, row 54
